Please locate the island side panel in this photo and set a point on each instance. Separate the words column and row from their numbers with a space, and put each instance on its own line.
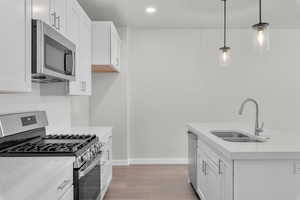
column 266, row 180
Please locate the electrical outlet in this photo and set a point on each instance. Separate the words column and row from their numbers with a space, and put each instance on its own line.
column 297, row 167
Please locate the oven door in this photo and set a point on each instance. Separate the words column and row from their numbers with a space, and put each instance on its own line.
column 87, row 185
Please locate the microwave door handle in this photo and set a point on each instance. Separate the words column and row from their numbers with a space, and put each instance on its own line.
column 66, row 62
column 74, row 63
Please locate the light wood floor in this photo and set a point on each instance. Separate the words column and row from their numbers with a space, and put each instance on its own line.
column 150, row 183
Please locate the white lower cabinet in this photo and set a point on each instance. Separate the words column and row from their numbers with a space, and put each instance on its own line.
column 219, row 178
column 69, row 195
column 214, row 182
column 201, row 174
column 61, row 184
column 106, row 165
column 214, row 175
column 36, row 178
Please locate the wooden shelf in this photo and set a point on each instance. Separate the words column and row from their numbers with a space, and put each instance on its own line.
column 104, row 68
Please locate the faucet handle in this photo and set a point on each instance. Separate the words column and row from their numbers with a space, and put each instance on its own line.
column 262, row 125
column 261, row 129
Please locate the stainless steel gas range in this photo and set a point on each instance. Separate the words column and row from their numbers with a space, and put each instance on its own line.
column 24, row 135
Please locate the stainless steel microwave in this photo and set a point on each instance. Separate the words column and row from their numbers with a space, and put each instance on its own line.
column 53, row 55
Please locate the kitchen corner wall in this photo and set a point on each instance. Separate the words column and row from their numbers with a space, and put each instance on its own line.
column 108, row 103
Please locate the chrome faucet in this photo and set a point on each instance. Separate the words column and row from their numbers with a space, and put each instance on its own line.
column 257, row 129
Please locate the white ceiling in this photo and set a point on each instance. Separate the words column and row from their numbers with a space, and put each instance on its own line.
column 194, row 13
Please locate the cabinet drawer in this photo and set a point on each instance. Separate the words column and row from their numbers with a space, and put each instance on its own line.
column 63, row 181
column 69, row 195
column 50, row 180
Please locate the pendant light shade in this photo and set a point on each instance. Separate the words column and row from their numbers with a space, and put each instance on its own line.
column 225, row 56
column 261, row 34
column 225, row 51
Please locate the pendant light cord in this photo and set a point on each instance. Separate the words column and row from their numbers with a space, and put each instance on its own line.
column 260, row 18
column 225, row 22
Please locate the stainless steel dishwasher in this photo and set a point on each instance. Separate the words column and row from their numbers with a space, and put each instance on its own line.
column 192, row 168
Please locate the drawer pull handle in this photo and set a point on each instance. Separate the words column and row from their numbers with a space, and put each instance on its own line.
column 220, row 167
column 64, row 184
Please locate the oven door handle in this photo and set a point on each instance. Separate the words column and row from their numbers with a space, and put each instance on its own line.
column 91, row 166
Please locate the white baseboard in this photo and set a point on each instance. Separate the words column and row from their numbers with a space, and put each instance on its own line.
column 120, row 162
column 159, row 161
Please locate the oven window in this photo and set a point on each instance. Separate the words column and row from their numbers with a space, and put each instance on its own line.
column 90, row 185
column 57, row 57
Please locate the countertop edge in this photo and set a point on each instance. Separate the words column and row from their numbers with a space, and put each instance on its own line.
column 274, row 155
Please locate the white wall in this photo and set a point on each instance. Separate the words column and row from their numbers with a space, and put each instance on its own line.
column 80, row 111
column 175, row 79
column 62, row 110
column 58, row 108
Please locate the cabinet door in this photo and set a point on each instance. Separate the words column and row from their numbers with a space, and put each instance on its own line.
column 201, row 175
column 73, row 33
column 69, row 195
column 214, row 182
column 115, row 48
column 107, row 164
column 44, row 10
column 82, row 85
column 60, row 14
column 15, row 48
column 85, row 56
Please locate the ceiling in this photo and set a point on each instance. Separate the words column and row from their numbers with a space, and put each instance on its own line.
column 194, row 13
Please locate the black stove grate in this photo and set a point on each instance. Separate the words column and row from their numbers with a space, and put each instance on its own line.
column 45, row 148
column 66, row 137
column 53, row 144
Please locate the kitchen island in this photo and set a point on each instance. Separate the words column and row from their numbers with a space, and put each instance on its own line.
column 226, row 170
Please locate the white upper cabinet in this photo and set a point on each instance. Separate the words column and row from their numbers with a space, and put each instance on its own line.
column 15, row 48
column 52, row 12
column 60, row 10
column 79, row 31
column 106, row 47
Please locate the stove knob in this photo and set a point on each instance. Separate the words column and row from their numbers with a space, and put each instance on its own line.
column 89, row 156
column 94, row 151
column 85, row 157
column 81, row 159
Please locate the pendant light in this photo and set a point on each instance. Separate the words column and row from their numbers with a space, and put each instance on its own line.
column 225, row 57
column 261, row 35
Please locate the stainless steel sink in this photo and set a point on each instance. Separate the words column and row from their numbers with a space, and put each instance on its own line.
column 235, row 136
column 247, row 139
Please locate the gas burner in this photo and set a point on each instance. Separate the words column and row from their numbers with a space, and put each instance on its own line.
column 45, row 148
column 71, row 137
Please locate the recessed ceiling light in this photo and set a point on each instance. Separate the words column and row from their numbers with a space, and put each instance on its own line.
column 151, row 10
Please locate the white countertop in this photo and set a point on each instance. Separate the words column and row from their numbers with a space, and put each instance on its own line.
column 89, row 130
column 279, row 146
